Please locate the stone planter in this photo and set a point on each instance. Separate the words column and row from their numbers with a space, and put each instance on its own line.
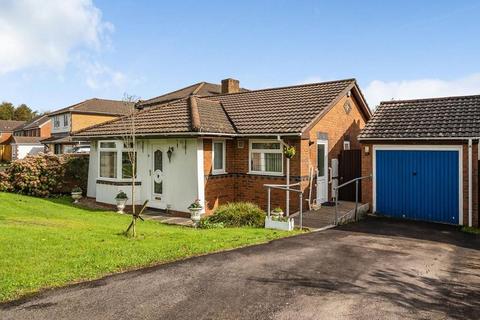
column 279, row 225
column 121, row 204
column 195, row 215
column 76, row 196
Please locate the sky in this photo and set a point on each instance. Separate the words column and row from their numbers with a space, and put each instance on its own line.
column 55, row 53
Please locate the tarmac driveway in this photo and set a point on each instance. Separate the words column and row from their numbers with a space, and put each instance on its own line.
column 375, row 269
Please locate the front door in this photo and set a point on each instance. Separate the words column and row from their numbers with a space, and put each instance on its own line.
column 158, row 176
column 322, row 171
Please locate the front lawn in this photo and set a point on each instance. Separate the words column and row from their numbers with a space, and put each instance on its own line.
column 49, row 242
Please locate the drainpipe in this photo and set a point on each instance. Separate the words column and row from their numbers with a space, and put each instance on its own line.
column 287, row 201
column 470, row 178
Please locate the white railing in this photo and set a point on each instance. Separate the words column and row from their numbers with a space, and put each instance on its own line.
column 287, row 189
column 357, row 182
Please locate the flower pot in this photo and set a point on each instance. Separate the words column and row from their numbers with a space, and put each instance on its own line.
column 121, row 204
column 76, row 196
column 279, row 225
column 195, row 215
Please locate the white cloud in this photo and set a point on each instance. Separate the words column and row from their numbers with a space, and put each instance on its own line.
column 99, row 76
column 37, row 33
column 379, row 90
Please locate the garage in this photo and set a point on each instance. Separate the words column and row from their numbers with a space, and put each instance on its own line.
column 418, row 183
column 422, row 157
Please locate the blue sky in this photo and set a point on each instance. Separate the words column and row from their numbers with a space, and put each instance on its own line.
column 61, row 52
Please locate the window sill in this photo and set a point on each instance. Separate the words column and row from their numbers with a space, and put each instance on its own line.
column 260, row 173
column 218, row 172
column 117, row 182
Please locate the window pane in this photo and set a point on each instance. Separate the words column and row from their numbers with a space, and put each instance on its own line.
column 256, row 164
column 127, row 165
column 218, row 155
column 321, row 159
column 108, row 164
column 158, row 165
column 107, row 144
column 271, row 145
column 273, row 162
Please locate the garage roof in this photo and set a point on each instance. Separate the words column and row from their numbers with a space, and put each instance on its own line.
column 447, row 117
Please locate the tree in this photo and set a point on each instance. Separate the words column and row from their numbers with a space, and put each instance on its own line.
column 23, row 113
column 6, row 111
column 129, row 138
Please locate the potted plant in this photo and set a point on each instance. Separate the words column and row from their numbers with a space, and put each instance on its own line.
column 276, row 220
column 76, row 194
column 195, row 208
column 277, row 212
column 121, row 199
column 289, row 152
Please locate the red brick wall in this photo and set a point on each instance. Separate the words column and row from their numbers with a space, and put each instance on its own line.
column 367, row 168
column 238, row 185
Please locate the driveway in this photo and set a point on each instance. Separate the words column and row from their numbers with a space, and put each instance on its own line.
column 375, row 269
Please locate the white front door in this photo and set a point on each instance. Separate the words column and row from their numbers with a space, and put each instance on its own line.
column 158, row 176
column 322, row 171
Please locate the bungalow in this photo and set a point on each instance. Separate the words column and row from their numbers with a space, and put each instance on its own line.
column 423, row 155
column 78, row 116
column 224, row 147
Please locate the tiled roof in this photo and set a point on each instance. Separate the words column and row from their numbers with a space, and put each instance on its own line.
column 99, row 106
column 36, row 122
column 199, row 89
column 9, row 125
column 277, row 110
column 25, row 140
column 447, row 117
column 281, row 110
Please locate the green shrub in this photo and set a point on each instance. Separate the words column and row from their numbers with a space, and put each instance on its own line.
column 5, row 184
column 39, row 175
column 76, row 172
column 238, row 214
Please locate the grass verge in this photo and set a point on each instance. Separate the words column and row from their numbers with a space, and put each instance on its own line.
column 49, row 242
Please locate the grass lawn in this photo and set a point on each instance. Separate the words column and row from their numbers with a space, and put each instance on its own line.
column 49, row 242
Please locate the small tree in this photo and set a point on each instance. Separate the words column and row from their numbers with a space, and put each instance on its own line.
column 129, row 138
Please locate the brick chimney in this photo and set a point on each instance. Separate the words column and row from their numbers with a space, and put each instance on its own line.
column 230, row 85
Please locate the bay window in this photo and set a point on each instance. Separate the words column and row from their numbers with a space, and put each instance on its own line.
column 266, row 157
column 114, row 160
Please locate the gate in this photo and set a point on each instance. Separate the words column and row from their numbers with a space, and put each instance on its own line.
column 349, row 168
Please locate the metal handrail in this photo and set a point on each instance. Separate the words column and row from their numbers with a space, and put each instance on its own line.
column 286, row 188
column 356, row 180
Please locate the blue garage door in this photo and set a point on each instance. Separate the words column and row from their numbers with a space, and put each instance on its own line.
column 419, row 185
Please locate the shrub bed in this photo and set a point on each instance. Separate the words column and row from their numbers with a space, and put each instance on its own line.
column 235, row 214
column 44, row 175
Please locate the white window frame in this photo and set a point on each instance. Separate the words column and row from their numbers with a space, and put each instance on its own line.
column 65, row 120
column 56, row 121
column 119, row 149
column 250, row 151
column 224, row 146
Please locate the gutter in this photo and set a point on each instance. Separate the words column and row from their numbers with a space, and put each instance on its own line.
column 470, row 178
column 194, row 134
column 422, row 138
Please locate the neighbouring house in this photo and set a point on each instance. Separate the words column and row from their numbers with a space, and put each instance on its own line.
column 78, row 116
column 26, row 138
column 6, row 129
column 224, row 147
column 423, row 155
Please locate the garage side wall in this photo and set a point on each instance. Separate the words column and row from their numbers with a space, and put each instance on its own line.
column 367, row 169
